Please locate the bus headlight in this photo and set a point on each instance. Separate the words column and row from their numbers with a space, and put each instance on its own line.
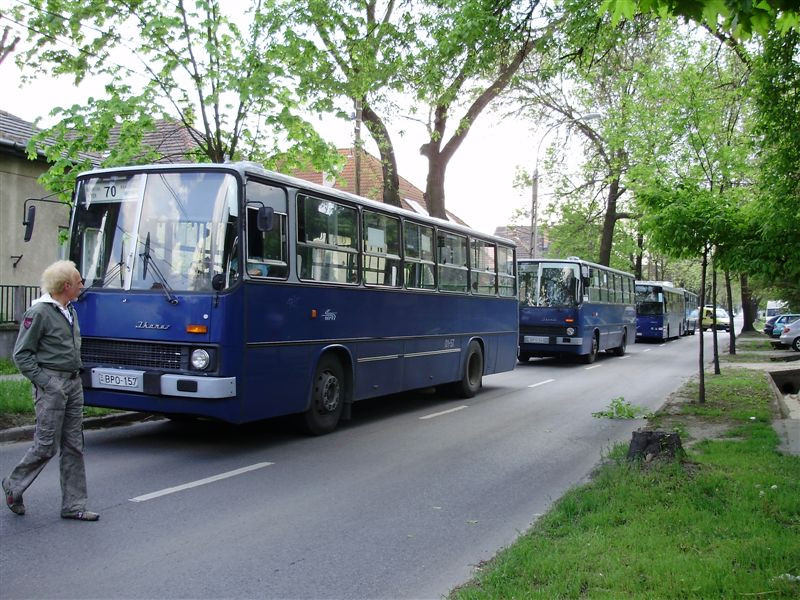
column 200, row 359
column 570, row 331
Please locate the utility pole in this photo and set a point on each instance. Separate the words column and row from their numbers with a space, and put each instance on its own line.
column 358, row 146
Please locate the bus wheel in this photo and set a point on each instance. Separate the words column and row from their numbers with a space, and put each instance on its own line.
column 620, row 350
column 327, row 397
column 472, row 379
column 523, row 357
column 592, row 356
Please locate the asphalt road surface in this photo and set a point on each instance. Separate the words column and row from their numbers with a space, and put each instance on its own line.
column 400, row 502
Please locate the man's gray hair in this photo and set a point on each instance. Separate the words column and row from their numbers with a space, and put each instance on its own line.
column 56, row 275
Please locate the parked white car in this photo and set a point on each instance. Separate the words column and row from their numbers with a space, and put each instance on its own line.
column 791, row 335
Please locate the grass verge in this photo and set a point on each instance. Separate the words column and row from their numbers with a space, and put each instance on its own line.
column 16, row 405
column 7, row 367
column 722, row 523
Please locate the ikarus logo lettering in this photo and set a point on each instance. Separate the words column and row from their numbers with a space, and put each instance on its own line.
column 329, row 315
column 148, row 325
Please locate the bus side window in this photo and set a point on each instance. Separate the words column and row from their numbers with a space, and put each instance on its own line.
column 381, row 247
column 453, row 271
column 482, row 267
column 266, row 250
column 419, row 259
column 505, row 271
column 327, row 241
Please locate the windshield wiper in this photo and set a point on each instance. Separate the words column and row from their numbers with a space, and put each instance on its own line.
column 147, row 260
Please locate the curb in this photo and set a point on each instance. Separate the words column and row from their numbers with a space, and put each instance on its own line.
column 16, row 434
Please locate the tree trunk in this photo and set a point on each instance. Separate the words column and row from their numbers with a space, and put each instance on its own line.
column 701, row 392
column 637, row 270
column 609, row 221
column 439, row 155
column 714, row 314
column 378, row 131
column 434, row 187
column 749, row 305
column 732, row 337
column 648, row 445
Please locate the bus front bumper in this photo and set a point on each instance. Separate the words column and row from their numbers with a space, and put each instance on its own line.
column 157, row 383
column 551, row 340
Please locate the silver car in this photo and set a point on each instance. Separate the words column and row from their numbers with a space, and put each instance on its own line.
column 791, row 335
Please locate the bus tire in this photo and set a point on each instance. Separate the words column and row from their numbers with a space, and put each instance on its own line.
column 620, row 350
column 328, row 393
column 472, row 378
column 523, row 357
column 592, row 356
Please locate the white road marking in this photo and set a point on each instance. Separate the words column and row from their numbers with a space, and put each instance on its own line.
column 199, row 482
column 592, row 367
column 444, row 412
column 624, row 357
column 541, row 383
column 647, row 350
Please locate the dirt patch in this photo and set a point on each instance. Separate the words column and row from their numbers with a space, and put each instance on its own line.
column 10, row 420
column 693, row 428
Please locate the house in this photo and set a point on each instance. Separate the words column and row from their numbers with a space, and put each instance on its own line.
column 411, row 197
column 521, row 235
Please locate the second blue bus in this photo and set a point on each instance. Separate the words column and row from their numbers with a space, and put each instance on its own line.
column 571, row 307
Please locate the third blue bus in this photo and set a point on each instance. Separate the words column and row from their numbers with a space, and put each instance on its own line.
column 660, row 310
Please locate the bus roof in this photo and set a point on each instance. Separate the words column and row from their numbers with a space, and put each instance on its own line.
column 244, row 168
column 667, row 285
column 574, row 259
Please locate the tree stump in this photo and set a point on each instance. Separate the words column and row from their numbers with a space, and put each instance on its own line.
column 649, row 445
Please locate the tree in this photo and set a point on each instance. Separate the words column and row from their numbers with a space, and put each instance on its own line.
column 188, row 61
column 360, row 51
column 741, row 17
column 595, row 67
column 470, row 53
column 8, row 42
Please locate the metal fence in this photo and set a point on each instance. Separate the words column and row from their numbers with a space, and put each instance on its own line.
column 15, row 300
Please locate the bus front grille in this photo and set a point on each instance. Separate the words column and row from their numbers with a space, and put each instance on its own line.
column 146, row 355
column 542, row 330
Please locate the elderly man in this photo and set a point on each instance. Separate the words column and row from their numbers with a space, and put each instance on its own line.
column 48, row 352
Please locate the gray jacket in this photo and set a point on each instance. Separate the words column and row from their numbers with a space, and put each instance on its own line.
column 46, row 339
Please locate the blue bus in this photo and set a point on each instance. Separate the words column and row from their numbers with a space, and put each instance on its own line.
column 231, row 292
column 691, row 311
column 572, row 307
column 660, row 310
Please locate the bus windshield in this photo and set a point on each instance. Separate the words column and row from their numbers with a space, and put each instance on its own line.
column 549, row 284
column 649, row 301
column 155, row 230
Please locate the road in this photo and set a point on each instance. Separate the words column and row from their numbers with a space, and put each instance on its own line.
column 400, row 502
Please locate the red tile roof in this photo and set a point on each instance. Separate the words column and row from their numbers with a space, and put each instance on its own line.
column 371, row 181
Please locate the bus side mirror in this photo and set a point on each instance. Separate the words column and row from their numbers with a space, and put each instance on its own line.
column 29, row 223
column 265, row 219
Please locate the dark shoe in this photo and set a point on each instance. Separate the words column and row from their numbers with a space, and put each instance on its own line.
column 13, row 501
column 81, row 515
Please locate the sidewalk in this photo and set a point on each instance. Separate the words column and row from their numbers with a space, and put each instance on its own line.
column 787, row 428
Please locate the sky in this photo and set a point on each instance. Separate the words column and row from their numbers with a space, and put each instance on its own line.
column 479, row 179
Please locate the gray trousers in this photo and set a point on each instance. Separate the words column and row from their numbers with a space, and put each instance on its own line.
column 59, row 426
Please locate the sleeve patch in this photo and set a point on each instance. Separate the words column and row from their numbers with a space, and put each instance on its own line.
column 27, row 321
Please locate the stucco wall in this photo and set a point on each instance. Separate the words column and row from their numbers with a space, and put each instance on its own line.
column 17, row 182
